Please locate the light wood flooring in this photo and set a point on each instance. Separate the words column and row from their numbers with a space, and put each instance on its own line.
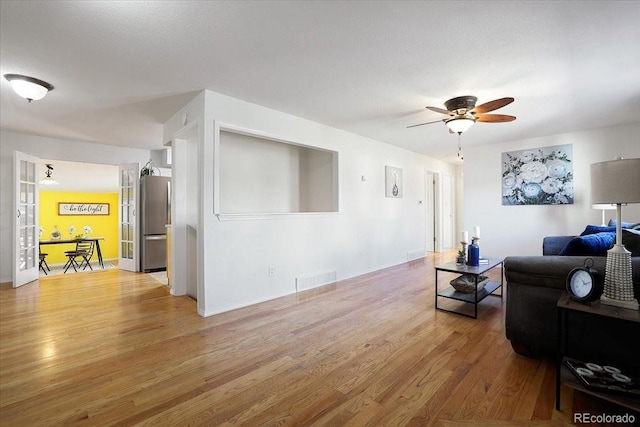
column 115, row 348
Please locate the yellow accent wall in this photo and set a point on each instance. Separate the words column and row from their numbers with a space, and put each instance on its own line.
column 103, row 225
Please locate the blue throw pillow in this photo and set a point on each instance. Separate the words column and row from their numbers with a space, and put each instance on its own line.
column 593, row 229
column 596, row 244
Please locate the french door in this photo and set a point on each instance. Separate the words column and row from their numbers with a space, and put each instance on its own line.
column 128, row 234
column 26, row 221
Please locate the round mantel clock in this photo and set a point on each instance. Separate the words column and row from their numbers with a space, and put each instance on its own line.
column 585, row 284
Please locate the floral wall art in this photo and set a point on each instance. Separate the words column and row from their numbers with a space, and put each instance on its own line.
column 540, row 176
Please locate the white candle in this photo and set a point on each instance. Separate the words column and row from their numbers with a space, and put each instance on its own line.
column 476, row 231
column 465, row 237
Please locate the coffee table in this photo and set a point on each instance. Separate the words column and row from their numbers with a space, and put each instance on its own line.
column 472, row 297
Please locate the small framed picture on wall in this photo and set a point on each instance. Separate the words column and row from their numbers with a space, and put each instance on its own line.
column 393, row 181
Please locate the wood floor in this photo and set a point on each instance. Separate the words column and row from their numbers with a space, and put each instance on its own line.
column 114, row 348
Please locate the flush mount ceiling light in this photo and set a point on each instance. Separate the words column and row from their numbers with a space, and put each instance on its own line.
column 29, row 88
column 48, row 180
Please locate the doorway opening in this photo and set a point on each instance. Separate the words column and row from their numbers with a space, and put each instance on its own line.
column 440, row 211
column 83, row 204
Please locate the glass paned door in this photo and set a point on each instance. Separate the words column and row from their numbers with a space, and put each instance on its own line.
column 26, row 219
column 128, row 203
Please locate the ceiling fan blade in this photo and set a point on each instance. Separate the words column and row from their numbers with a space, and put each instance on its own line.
column 491, row 105
column 428, row 123
column 495, row 118
column 440, row 110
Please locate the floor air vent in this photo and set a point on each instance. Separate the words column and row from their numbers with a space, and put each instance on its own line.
column 309, row 282
column 415, row 255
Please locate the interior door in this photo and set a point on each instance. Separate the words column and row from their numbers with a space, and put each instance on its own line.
column 127, row 219
column 26, row 222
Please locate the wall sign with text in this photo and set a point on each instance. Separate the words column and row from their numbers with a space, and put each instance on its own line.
column 83, row 208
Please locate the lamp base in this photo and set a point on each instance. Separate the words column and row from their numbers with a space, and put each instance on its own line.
column 618, row 284
column 632, row 305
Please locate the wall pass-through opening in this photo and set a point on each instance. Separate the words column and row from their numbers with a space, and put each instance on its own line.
column 259, row 174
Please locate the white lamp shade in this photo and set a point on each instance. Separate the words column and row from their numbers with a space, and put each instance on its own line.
column 48, row 181
column 604, row 207
column 615, row 181
column 459, row 125
column 29, row 90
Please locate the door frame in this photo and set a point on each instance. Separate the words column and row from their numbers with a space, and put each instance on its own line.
column 433, row 211
column 182, row 227
column 448, row 218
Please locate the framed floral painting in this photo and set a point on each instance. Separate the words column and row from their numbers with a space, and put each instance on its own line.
column 540, row 176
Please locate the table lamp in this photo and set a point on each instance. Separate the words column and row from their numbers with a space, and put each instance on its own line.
column 617, row 182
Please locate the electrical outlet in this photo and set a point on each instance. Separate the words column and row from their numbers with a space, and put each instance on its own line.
column 272, row 270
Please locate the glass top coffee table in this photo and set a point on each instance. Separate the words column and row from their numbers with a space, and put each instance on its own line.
column 473, row 294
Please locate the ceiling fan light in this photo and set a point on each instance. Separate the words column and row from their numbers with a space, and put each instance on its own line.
column 30, row 88
column 459, row 125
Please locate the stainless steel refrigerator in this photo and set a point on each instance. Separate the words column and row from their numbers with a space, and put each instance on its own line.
column 154, row 216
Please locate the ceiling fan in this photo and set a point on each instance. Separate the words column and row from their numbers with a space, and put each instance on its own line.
column 463, row 113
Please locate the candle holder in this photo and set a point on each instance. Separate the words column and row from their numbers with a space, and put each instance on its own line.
column 462, row 254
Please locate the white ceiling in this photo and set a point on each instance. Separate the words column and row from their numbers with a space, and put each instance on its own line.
column 120, row 69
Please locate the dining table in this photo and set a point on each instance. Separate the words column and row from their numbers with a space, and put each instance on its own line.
column 96, row 240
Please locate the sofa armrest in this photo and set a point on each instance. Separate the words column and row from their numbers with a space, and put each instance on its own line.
column 552, row 245
column 546, row 271
column 533, row 285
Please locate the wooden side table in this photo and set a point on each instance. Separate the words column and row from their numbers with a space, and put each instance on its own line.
column 625, row 316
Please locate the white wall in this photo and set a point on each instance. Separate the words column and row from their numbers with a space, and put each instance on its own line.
column 54, row 149
column 370, row 231
column 519, row 230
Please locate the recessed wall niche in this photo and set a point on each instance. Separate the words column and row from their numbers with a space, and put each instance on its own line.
column 266, row 175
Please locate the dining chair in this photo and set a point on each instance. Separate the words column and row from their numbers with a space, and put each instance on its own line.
column 43, row 263
column 83, row 252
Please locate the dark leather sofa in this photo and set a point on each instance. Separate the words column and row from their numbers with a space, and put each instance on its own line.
column 534, row 285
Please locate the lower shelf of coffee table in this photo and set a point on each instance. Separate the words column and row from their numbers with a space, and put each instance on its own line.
column 471, row 296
